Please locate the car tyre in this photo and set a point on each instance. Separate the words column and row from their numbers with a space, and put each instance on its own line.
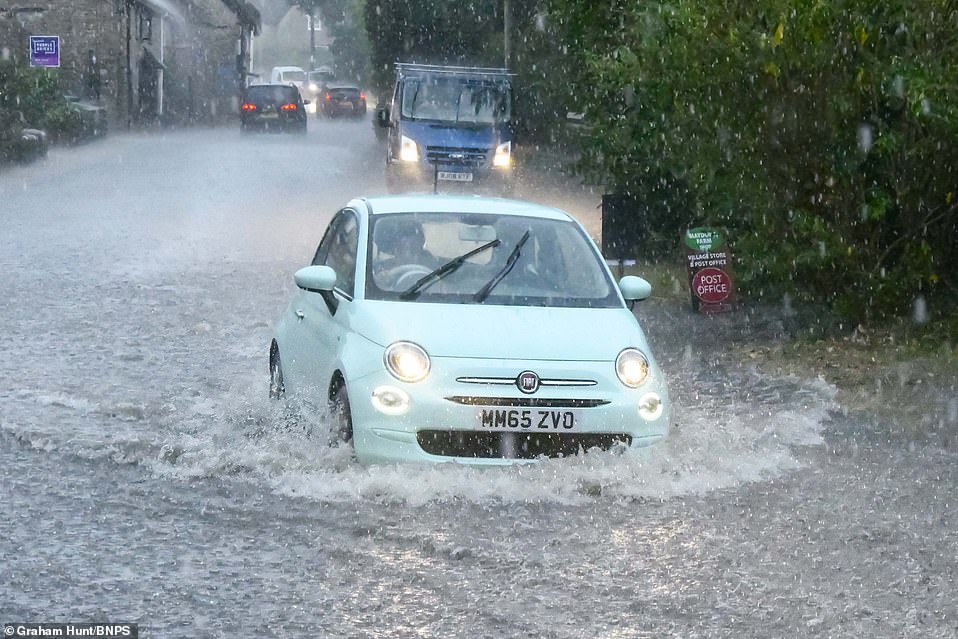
column 277, row 388
column 340, row 415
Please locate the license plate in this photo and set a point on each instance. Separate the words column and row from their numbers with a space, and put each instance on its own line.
column 270, row 116
column 529, row 419
column 455, row 177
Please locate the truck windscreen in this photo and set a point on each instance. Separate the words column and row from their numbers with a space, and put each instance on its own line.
column 456, row 100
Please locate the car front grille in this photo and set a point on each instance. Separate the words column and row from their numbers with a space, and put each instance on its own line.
column 534, row 402
column 456, row 155
column 488, row 445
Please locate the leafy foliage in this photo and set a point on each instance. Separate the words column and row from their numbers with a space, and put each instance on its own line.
column 433, row 32
column 31, row 98
column 818, row 132
column 350, row 47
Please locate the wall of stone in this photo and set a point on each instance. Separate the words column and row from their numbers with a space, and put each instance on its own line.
column 199, row 53
column 87, row 29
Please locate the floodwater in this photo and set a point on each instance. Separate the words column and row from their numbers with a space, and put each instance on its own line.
column 146, row 477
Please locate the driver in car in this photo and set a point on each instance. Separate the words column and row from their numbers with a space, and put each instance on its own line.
column 400, row 247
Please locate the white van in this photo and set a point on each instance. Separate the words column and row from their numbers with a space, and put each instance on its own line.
column 289, row 75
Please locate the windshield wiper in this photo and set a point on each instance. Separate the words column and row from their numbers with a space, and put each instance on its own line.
column 483, row 292
column 413, row 291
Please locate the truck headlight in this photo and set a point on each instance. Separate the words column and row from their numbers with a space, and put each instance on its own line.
column 503, row 156
column 408, row 151
column 406, row 361
column 632, row 367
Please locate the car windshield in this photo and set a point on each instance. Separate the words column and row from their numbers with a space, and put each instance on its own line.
column 456, row 100
column 294, row 76
column 554, row 264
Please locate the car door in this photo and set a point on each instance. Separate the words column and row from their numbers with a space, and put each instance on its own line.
column 321, row 320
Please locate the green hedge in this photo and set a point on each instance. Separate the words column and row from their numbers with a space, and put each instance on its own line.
column 822, row 134
column 31, row 98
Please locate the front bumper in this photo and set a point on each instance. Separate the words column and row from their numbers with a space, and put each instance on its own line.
column 443, row 421
column 424, row 175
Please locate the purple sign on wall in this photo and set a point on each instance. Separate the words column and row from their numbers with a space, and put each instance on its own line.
column 44, row 51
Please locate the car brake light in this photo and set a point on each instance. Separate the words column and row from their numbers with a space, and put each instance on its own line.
column 362, row 96
column 288, row 107
column 328, row 98
column 249, row 107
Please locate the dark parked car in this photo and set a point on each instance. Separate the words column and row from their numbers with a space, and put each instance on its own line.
column 344, row 99
column 273, row 107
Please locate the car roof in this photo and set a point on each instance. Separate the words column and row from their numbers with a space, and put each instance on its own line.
column 288, row 69
column 429, row 203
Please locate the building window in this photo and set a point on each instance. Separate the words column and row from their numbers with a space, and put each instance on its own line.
column 146, row 26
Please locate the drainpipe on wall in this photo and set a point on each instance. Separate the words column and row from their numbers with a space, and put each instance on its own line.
column 129, row 65
column 159, row 73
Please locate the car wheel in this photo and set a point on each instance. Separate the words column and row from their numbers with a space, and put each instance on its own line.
column 340, row 416
column 277, row 389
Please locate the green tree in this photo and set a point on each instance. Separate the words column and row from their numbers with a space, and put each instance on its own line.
column 433, row 32
column 350, row 47
column 818, row 132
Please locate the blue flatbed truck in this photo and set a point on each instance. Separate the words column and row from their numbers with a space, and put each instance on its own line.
column 449, row 126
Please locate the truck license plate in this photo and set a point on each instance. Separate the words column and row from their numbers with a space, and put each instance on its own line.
column 450, row 176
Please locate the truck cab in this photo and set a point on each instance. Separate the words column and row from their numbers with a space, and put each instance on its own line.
column 449, row 126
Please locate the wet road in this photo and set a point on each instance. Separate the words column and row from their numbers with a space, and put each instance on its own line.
column 145, row 477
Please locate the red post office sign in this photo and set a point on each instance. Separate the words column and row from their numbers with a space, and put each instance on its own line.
column 710, row 270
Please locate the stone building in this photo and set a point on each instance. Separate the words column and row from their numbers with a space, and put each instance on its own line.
column 147, row 61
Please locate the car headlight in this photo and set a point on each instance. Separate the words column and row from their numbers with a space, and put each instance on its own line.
column 632, row 367
column 408, row 151
column 503, row 155
column 407, row 362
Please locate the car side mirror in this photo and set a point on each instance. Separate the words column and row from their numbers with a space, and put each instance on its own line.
column 382, row 117
column 318, row 279
column 634, row 289
column 315, row 279
column 305, row 102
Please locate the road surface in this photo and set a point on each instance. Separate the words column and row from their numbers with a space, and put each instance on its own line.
column 145, row 477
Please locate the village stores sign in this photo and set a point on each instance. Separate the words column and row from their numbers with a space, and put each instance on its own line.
column 710, row 270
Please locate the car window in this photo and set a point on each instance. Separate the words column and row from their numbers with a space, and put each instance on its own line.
column 340, row 251
column 270, row 94
column 556, row 266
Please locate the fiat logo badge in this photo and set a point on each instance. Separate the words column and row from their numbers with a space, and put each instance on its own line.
column 527, row 382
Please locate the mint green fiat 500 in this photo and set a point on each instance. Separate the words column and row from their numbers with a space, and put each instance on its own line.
column 465, row 329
